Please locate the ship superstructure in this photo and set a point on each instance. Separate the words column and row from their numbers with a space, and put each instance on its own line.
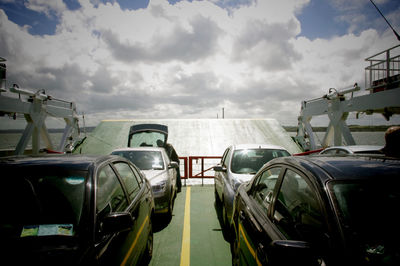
column 382, row 95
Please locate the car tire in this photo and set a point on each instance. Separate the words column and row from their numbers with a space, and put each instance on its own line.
column 218, row 202
column 226, row 226
column 224, row 216
column 171, row 204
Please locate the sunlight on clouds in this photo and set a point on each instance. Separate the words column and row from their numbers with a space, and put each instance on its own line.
column 186, row 60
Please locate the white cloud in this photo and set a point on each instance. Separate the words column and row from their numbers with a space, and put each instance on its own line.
column 186, row 60
column 46, row 7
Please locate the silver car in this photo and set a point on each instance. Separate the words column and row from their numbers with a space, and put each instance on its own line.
column 352, row 149
column 238, row 165
column 159, row 170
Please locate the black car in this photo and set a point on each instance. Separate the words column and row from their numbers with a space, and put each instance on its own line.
column 319, row 211
column 74, row 210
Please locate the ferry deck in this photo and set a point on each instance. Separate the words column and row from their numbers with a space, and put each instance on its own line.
column 194, row 235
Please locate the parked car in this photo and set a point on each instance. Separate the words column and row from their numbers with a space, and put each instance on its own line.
column 154, row 135
column 239, row 163
column 159, row 170
column 352, row 149
column 74, row 210
column 319, row 211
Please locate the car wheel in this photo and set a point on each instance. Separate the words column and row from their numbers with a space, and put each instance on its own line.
column 225, row 217
column 171, row 205
column 217, row 200
column 226, row 226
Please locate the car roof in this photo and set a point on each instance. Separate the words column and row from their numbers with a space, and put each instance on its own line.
column 356, row 167
column 140, row 149
column 357, row 148
column 77, row 162
column 257, row 146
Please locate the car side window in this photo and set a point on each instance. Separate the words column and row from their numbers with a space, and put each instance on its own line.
column 297, row 211
column 227, row 157
column 129, row 179
column 110, row 196
column 340, row 151
column 224, row 156
column 138, row 175
column 263, row 190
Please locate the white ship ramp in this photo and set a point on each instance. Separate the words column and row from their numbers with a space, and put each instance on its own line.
column 192, row 137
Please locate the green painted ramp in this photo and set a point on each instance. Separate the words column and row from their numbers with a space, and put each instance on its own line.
column 206, row 240
column 192, row 137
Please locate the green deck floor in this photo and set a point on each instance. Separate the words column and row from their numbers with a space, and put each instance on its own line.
column 207, row 243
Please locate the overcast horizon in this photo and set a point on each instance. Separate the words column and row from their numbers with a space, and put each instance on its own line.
column 174, row 59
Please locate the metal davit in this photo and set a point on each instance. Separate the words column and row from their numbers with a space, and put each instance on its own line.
column 36, row 107
column 382, row 80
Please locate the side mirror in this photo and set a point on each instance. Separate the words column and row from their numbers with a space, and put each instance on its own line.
column 116, row 222
column 173, row 165
column 292, row 252
column 219, row 168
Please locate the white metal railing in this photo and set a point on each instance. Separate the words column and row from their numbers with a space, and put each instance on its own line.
column 383, row 70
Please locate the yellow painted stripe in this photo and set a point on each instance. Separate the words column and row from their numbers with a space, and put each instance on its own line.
column 253, row 253
column 185, row 252
column 128, row 254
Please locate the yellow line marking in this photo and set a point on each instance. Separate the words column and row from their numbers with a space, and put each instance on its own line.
column 246, row 241
column 185, row 252
column 253, row 253
column 128, row 254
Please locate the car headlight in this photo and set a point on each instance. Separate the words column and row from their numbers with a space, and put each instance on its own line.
column 158, row 185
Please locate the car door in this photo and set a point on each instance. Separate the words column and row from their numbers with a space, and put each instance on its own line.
column 110, row 198
column 140, row 209
column 253, row 234
column 171, row 171
column 220, row 175
column 296, row 214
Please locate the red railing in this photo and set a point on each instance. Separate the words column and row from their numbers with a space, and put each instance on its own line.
column 190, row 163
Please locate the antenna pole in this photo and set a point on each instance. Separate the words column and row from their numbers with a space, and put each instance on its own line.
column 395, row 33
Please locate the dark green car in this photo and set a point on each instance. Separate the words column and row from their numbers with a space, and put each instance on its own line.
column 75, row 210
column 315, row 210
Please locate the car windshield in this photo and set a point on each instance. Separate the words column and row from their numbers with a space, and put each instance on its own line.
column 368, row 213
column 37, row 203
column 249, row 161
column 144, row 160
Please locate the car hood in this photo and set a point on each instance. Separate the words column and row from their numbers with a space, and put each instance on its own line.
column 242, row 177
column 153, row 175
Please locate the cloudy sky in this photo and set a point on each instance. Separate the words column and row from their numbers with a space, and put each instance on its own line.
column 190, row 59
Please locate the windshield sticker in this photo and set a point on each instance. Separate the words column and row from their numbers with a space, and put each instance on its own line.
column 74, row 180
column 30, row 230
column 47, row 230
